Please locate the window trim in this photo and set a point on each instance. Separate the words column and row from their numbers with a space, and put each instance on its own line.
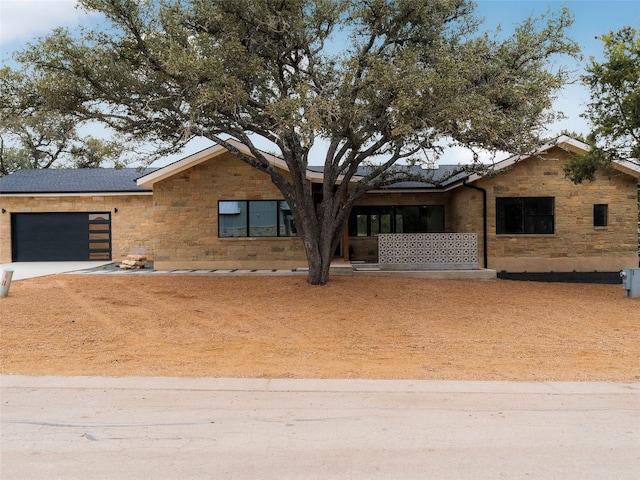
column 393, row 211
column 605, row 207
column 501, row 225
column 280, row 205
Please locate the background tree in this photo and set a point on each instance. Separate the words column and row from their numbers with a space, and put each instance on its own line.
column 377, row 82
column 32, row 135
column 614, row 109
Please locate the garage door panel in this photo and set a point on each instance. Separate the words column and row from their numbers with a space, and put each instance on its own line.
column 55, row 237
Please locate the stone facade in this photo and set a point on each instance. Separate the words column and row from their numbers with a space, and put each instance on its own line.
column 131, row 226
column 185, row 214
column 177, row 226
column 575, row 245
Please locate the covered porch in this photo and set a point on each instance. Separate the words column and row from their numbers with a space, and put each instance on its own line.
column 419, row 255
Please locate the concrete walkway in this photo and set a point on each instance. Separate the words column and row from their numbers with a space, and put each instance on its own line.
column 23, row 270
column 168, row 428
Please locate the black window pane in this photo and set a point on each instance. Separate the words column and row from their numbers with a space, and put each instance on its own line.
column 600, row 215
column 532, row 215
column 375, row 223
column 410, row 219
column 542, row 224
column 509, row 215
column 361, row 222
column 385, row 223
column 432, row 218
column 538, row 206
column 399, row 223
column 368, row 221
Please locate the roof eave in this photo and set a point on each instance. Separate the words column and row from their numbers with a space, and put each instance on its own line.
column 82, row 193
column 625, row 166
column 563, row 141
column 163, row 173
column 440, row 189
column 148, row 180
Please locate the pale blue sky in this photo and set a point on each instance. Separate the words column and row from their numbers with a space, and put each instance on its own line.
column 23, row 20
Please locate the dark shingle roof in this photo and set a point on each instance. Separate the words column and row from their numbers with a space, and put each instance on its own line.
column 67, row 180
column 418, row 177
column 104, row 180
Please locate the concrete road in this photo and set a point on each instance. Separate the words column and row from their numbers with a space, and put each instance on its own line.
column 164, row 428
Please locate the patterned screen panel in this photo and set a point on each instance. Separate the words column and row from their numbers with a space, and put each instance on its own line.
column 428, row 251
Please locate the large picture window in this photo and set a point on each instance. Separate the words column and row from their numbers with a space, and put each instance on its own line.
column 255, row 218
column 526, row 215
column 371, row 220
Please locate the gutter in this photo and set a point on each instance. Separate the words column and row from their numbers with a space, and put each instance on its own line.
column 484, row 219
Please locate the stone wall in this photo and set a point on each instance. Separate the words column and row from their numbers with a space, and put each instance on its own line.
column 185, row 214
column 467, row 216
column 178, row 226
column 576, row 245
column 131, row 226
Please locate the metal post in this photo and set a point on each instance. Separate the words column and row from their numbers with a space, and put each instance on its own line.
column 5, row 282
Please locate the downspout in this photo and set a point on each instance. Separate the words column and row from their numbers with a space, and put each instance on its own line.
column 484, row 219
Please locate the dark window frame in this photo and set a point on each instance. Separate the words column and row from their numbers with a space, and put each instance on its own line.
column 385, row 219
column 280, row 206
column 525, row 215
column 601, row 215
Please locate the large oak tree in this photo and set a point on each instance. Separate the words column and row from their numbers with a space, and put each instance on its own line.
column 378, row 81
column 32, row 135
column 614, row 107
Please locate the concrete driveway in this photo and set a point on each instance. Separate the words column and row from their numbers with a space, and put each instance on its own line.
column 22, row 270
column 168, row 428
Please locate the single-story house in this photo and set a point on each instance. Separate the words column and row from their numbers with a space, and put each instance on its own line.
column 212, row 211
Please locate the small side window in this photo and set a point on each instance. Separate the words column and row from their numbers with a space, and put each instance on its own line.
column 600, row 215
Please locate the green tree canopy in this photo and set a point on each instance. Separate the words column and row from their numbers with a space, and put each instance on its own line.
column 375, row 80
column 614, row 108
column 32, row 135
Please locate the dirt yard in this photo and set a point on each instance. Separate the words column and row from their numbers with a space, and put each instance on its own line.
column 354, row 327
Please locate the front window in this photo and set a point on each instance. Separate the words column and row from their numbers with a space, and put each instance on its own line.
column 526, row 215
column 372, row 220
column 600, row 215
column 255, row 218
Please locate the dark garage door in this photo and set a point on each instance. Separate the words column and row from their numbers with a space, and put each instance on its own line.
column 60, row 237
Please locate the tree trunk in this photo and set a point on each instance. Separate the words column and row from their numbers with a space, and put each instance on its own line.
column 317, row 237
column 319, row 255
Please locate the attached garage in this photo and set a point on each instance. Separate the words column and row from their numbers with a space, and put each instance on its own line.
column 65, row 215
column 60, row 237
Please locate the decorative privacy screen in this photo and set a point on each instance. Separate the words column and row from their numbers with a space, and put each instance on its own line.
column 428, row 251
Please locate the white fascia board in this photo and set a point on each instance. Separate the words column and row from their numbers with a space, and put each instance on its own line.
column 571, row 144
column 149, row 179
column 207, row 154
column 162, row 173
column 630, row 168
column 563, row 141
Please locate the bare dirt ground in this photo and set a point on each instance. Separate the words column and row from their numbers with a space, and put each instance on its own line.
column 354, row 327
